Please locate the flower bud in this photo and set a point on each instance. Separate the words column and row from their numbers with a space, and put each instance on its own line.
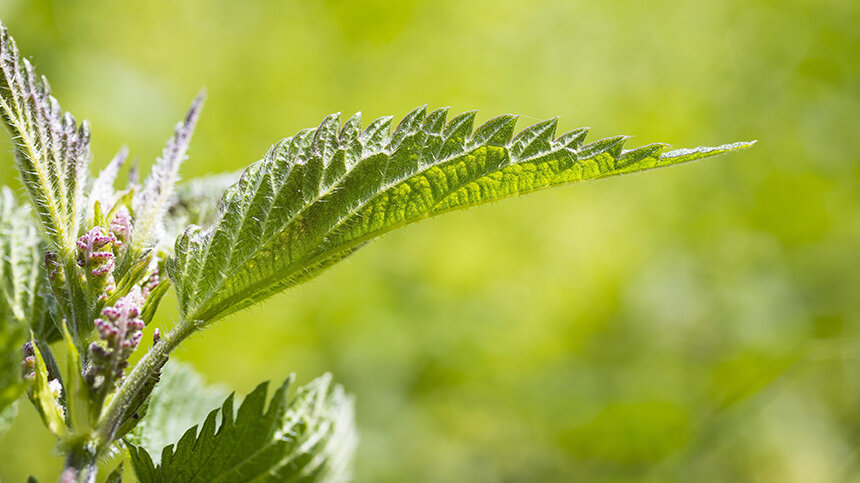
column 120, row 331
column 28, row 364
column 96, row 257
column 121, row 227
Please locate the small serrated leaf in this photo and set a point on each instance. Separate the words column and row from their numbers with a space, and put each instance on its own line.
column 310, row 439
column 180, row 400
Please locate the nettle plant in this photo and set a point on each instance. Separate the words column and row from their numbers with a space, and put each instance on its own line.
column 85, row 265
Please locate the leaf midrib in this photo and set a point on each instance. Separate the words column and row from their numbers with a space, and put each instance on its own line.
column 34, row 161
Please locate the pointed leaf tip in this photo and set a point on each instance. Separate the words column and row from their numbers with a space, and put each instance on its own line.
column 152, row 202
column 706, row 151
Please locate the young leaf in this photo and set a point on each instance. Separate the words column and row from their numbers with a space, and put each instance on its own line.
column 23, row 281
column 103, row 190
column 151, row 203
column 180, row 400
column 45, row 392
column 311, row 439
column 320, row 195
column 51, row 151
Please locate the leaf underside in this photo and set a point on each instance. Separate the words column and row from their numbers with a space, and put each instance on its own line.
column 318, row 196
column 309, row 439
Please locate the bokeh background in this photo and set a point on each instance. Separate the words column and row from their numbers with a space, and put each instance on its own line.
column 692, row 324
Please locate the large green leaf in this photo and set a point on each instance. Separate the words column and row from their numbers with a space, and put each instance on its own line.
column 319, row 195
column 51, row 151
column 310, row 439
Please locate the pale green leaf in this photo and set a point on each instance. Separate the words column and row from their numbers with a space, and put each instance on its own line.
column 102, row 190
column 321, row 194
column 24, row 289
column 7, row 416
column 11, row 385
column 51, row 151
column 310, row 439
column 12, row 337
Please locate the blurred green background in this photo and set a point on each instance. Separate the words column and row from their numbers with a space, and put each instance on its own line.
column 692, row 324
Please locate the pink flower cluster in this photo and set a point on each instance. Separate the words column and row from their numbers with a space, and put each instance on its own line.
column 94, row 252
column 120, row 329
column 95, row 255
column 121, row 227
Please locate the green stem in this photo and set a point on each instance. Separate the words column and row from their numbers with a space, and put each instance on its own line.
column 79, row 315
column 81, row 465
column 145, row 372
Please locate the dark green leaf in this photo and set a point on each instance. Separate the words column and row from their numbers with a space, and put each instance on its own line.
column 310, row 439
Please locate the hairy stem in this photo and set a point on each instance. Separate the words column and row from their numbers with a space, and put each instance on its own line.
column 145, row 372
column 79, row 317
